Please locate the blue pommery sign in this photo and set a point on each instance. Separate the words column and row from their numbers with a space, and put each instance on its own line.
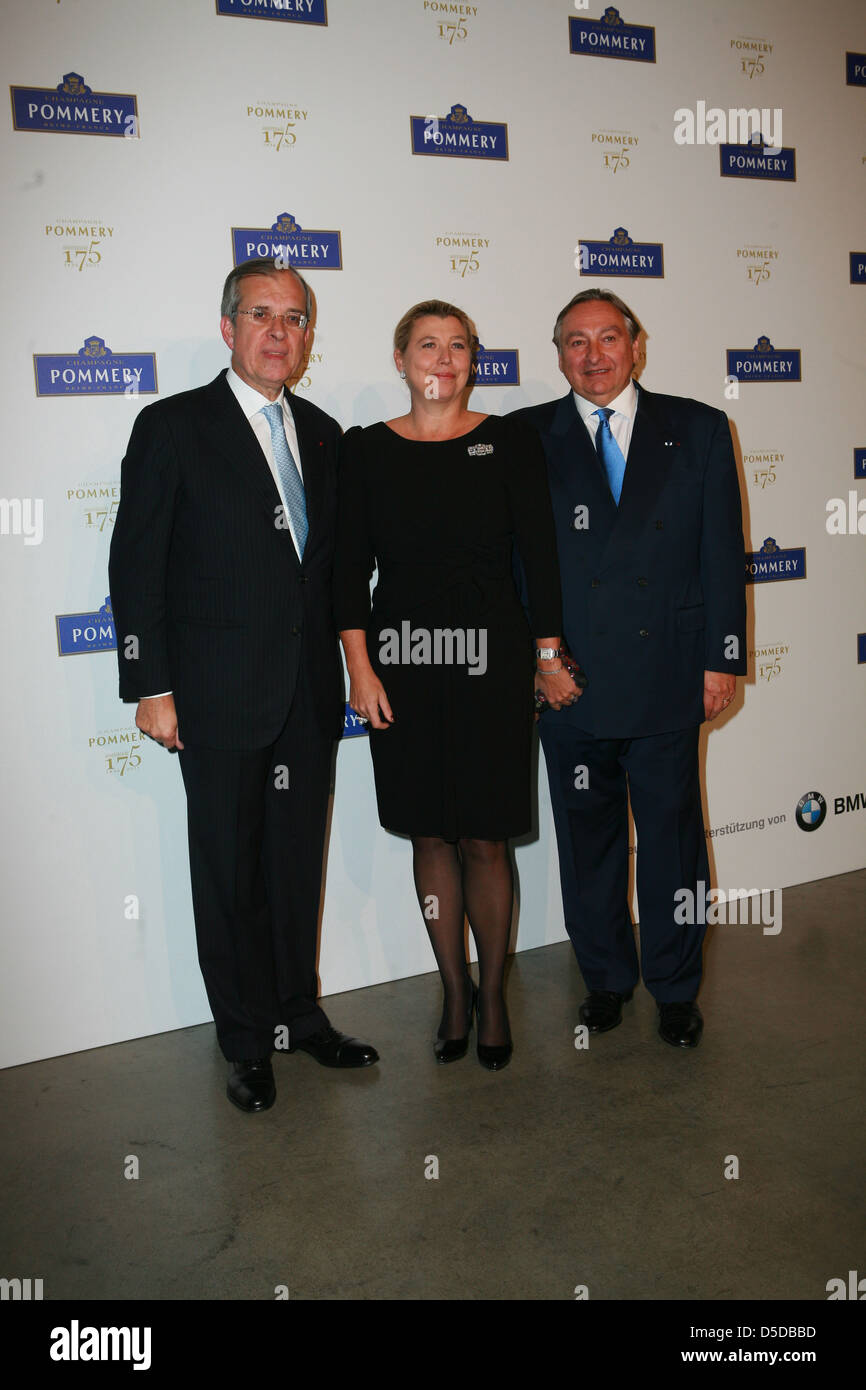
column 287, row 241
column 292, row 11
column 620, row 255
column 763, row 362
column 73, row 108
column 611, row 37
column 458, row 136
column 855, row 69
column 771, row 563
column 86, row 632
column 496, row 367
column 352, row 725
column 758, row 160
column 94, row 370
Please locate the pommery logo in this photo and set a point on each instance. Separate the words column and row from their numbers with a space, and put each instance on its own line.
column 353, row 724
column 620, row 255
column 763, row 362
column 771, row 563
column 855, row 69
column 459, row 136
column 496, row 367
column 94, row 370
column 73, row 108
column 611, row 37
column 86, row 632
column 287, row 241
column 759, row 158
column 293, row 11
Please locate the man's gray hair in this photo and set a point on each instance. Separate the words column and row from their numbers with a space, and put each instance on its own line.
column 632, row 322
column 262, row 265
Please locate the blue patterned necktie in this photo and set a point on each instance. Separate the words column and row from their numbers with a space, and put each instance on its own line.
column 609, row 452
column 290, row 478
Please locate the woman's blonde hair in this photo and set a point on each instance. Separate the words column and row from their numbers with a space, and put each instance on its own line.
column 437, row 309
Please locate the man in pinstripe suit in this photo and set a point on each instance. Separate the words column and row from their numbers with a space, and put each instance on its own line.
column 220, row 577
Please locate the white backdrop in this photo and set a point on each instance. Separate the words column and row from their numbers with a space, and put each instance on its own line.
column 128, row 239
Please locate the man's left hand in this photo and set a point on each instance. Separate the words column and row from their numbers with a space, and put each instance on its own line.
column 558, row 688
column 719, row 689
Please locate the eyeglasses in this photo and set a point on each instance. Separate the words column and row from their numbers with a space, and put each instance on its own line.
column 292, row 319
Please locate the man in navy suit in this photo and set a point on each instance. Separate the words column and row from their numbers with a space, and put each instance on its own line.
column 220, row 578
column 649, row 533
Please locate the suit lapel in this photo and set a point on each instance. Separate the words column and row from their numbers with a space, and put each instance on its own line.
column 230, row 434
column 580, row 473
column 650, row 457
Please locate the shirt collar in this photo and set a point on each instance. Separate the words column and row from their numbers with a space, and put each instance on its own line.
column 625, row 403
column 249, row 399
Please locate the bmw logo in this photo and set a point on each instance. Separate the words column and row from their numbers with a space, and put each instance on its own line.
column 811, row 811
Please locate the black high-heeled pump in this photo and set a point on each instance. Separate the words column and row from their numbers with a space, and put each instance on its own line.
column 452, row 1049
column 493, row 1056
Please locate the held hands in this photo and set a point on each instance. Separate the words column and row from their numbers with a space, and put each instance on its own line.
column 719, row 690
column 157, row 718
column 558, row 688
column 368, row 699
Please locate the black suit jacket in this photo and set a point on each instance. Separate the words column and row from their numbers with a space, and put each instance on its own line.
column 209, row 598
column 653, row 591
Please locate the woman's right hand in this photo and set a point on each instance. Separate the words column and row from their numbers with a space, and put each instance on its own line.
column 368, row 699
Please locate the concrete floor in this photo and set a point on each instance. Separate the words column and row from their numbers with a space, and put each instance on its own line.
column 602, row 1167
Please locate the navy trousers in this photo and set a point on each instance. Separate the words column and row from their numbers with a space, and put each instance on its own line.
column 591, row 781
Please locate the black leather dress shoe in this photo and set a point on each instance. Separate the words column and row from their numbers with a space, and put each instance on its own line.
column 251, row 1085
column 452, row 1049
column 335, row 1049
column 602, row 1009
column 681, row 1024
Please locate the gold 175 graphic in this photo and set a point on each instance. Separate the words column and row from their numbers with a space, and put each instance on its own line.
column 452, row 27
column 616, row 148
column 82, row 239
column 280, row 123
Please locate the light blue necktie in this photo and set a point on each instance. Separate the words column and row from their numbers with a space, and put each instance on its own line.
column 290, row 478
column 609, row 452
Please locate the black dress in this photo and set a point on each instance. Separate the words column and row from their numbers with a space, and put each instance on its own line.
column 447, row 634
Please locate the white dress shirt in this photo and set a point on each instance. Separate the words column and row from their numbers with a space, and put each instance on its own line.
column 622, row 420
column 251, row 403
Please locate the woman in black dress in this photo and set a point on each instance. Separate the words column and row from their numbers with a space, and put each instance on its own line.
column 442, row 667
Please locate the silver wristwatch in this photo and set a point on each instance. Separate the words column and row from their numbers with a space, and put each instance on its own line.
column 546, row 653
